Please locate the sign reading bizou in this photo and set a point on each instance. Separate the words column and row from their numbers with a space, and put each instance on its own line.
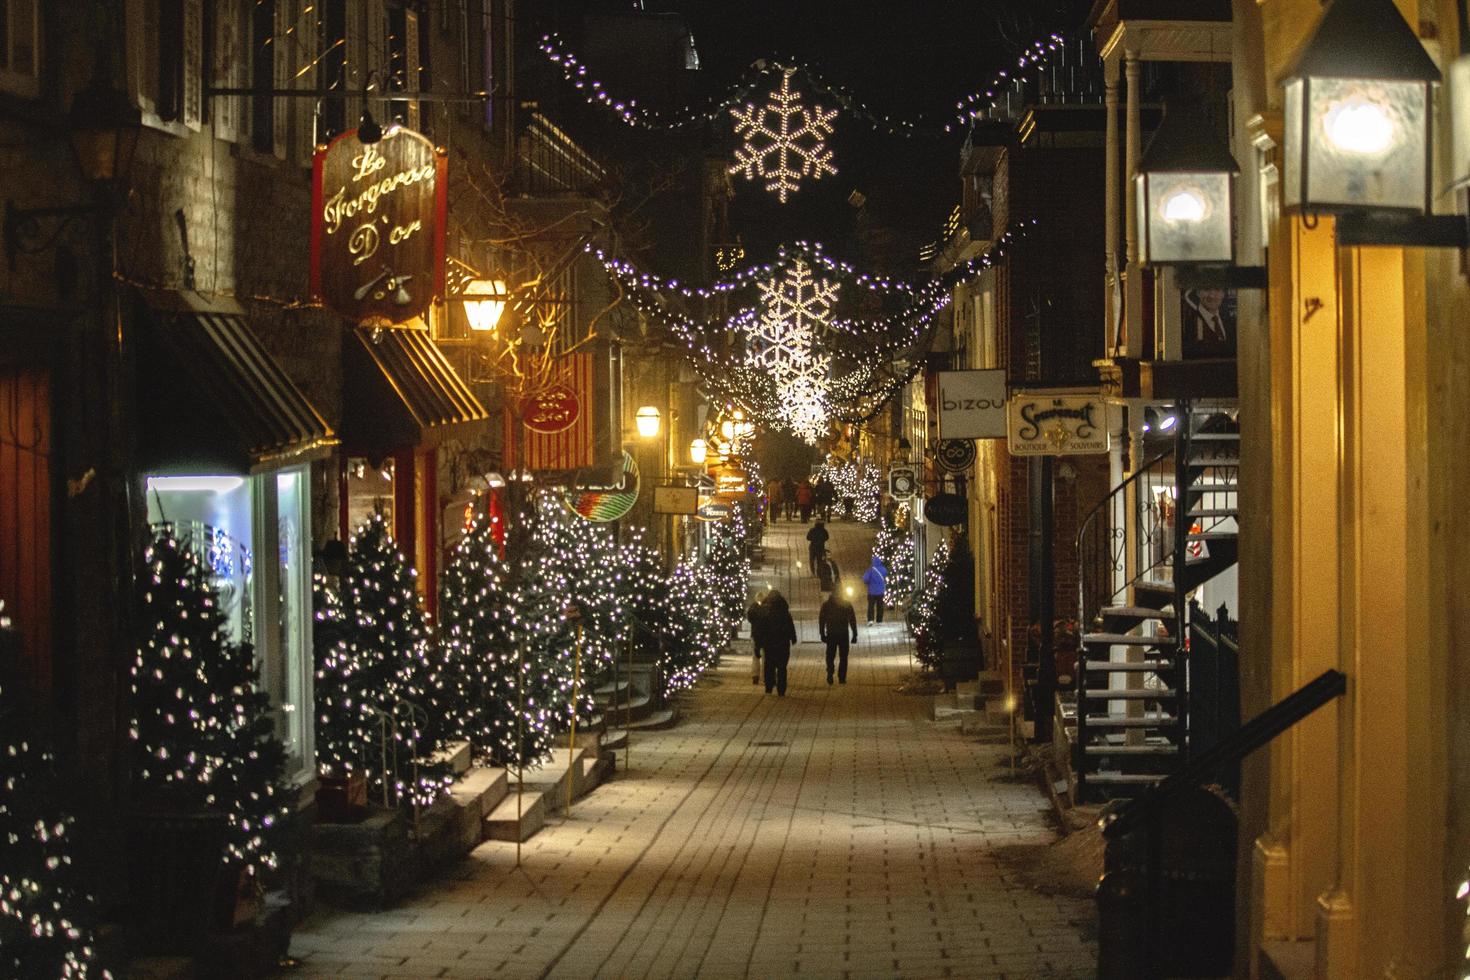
column 1057, row 425
column 377, row 226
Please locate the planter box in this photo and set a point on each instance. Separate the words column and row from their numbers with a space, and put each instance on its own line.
column 342, row 799
column 174, row 878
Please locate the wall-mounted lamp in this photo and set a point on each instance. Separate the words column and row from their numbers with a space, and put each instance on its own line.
column 698, row 451
column 647, row 419
column 484, row 303
column 1359, row 129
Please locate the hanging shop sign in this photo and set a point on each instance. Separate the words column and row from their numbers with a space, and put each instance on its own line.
column 1057, row 425
column 903, row 482
column 551, row 410
column 730, row 480
column 711, row 510
column 955, row 455
column 377, row 226
column 972, row 404
column 675, row 500
column 946, row 509
column 605, row 503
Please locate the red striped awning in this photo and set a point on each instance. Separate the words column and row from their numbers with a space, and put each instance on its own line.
column 569, row 449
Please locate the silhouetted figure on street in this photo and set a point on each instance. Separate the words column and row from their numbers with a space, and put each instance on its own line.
column 835, row 620
column 780, row 634
column 773, row 501
column 876, row 579
column 825, row 497
column 816, row 540
column 757, row 615
column 788, row 499
column 804, row 501
column 828, row 574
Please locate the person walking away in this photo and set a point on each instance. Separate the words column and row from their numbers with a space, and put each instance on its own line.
column 757, row 615
column 876, row 579
column 824, row 496
column 788, row 498
column 834, row 621
column 816, row 540
column 804, row 501
column 780, row 634
column 773, row 501
column 828, row 573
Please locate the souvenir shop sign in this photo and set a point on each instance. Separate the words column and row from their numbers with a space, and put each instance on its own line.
column 1057, row 425
column 377, row 226
column 551, row 410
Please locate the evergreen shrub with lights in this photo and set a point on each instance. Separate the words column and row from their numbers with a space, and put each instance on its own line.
column 203, row 738
column 924, row 612
column 46, row 913
column 347, row 730
column 475, row 630
column 864, row 484
column 894, row 546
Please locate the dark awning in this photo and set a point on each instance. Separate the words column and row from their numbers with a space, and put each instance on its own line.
column 399, row 391
column 210, row 399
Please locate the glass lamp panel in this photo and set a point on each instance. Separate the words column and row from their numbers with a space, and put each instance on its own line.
column 1189, row 218
column 1291, row 191
column 1460, row 121
column 1366, row 144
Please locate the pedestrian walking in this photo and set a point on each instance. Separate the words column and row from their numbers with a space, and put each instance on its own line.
column 773, row 501
column 828, row 574
column 757, row 615
column 876, row 579
column 788, row 498
column 804, row 501
column 780, row 634
column 834, row 621
column 823, row 496
column 816, row 544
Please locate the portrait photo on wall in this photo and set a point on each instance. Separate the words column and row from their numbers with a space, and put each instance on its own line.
column 1207, row 322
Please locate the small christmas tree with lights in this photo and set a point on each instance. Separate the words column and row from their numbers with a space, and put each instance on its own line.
column 347, row 732
column 924, row 612
column 203, row 737
column 692, row 629
column 46, row 913
column 475, row 630
column 728, row 572
column 390, row 631
column 895, row 548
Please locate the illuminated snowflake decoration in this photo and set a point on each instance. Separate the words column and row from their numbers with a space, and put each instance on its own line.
column 796, row 310
column 784, row 141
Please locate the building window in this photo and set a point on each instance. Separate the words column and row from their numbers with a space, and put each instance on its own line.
column 20, row 46
column 253, row 534
column 369, row 491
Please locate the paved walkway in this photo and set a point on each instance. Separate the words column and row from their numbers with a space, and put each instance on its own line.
column 835, row 832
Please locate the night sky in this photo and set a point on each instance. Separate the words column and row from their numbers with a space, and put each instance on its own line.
column 912, row 58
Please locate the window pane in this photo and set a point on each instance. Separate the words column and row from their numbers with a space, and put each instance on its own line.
column 214, row 515
column 369, row 490
column 293, row 693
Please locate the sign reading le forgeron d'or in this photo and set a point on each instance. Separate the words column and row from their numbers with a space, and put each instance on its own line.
column 1057, row 425
column 377, row 227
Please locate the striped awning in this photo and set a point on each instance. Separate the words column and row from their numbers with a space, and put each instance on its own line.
column 400, row 392
column 210, row 398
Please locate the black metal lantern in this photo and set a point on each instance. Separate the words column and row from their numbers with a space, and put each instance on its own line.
column 1185, row 192
column 1358, row 113
column 104, row 128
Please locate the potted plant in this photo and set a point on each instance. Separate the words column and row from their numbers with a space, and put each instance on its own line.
column 957, row 627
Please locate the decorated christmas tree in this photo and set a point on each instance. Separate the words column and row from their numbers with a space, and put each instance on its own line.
column 643, row 589
column 727, row 571
column 397, row 651
column 692, row 631
column 475, row 631
column 202, row 732
column 46, row 913
column 584, row 557
column 895, row 548
column 924, row 611
column 347, row 680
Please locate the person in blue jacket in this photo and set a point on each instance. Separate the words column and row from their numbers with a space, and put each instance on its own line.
column 876, row 579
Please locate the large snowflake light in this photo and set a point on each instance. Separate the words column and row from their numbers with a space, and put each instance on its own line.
column 784, row 149
column 796, row 310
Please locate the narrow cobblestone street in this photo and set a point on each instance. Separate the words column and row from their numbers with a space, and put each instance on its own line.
column 836, row 832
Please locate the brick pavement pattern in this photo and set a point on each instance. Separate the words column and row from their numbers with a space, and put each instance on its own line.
column 836, row 832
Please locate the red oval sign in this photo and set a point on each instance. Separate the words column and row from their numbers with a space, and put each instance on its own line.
column 551, row 410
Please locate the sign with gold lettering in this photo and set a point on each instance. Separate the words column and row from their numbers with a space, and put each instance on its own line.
column 551, row 410
column 1057, row 425
column 377, row 226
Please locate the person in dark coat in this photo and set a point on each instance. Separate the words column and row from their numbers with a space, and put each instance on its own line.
column 780, row 634
column 834, row 621
column 757, row 615
column 828, row 573
column 816, row 544
column 804, row 501
column 823, row 497
column 788, row 499
column 876, row 579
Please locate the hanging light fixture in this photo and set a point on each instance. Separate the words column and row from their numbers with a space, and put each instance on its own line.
column 484, row 303
column 647, row 420
column 1185, row 187
column 698, row 451
column 1359, row 128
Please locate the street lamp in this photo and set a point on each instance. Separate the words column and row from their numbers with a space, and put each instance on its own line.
column 1358, row 128
column 647, row 421
column 484, row 303
column 698, row 451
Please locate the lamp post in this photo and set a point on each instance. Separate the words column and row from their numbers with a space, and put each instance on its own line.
column 1359, row 129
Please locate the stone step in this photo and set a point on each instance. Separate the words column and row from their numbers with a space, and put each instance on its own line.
column 615, row 740
column 656, row 721
column 1124, row 778
column 1125, row 721
column 606, row 694
column 641, row 706
column 1129, row 694
column 1109, row 667
column 455, row 755
column 503, row 824
column 1106, row 749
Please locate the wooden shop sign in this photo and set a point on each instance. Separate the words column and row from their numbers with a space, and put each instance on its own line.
column 551, row 410
column 1057, row 425
column 377, row 226
column 946, row 509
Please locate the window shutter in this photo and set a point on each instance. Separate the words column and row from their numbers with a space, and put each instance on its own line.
column 308, row 42
column 229, row 70
column 281, row 65
column 192, row 108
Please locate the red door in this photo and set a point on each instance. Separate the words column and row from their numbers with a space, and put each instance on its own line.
column 25, row 514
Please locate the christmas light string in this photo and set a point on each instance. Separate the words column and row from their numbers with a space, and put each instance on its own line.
column 968, row 109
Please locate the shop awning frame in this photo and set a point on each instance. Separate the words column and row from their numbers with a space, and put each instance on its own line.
column 399, row 391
